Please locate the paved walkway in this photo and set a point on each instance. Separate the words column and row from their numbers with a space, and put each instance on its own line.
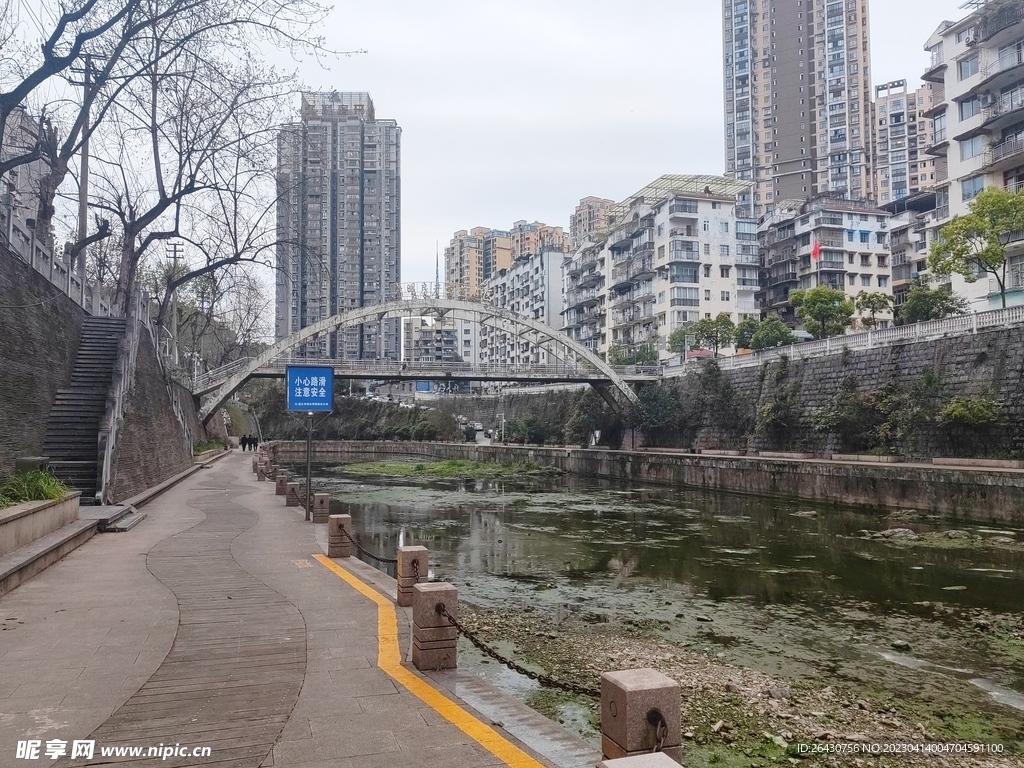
column 218, row 623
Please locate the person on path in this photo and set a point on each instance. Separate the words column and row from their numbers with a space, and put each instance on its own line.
column 244, row 440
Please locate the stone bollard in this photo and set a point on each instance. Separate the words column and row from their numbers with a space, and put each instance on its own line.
column 260, row 474
column 433, row 638
column 338, row 544
column 255, row 464
column 653, row 760
column 281, row 484
column 321, row 507
column 291, row 495
column 412, row 568
column 633, row 702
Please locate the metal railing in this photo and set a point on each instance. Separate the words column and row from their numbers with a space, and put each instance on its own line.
column 932, row 329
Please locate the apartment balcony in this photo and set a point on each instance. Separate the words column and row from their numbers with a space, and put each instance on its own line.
column 939, row 145
column 684, row 302
column 1005, row 110
column 642, row 268
column 1006, row 16
column 942, row 212
column 1014, row 186
column 683, row 210
column 748, row 284
column 785, row 277
column 590, row 279
column 1000, row 72
column 621, row 276
column 831, row 266
column 751, row 259
column 1005, row 156
column 828, row 221
column 935, row 73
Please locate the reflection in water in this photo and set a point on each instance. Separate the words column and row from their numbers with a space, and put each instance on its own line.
column 723, row 546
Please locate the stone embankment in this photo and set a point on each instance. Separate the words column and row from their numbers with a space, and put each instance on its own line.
column 971, row 492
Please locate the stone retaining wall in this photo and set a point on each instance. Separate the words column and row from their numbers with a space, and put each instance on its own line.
column 993, row 495
column 22, row 524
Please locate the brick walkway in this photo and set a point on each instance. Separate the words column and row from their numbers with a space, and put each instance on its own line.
column 213, row 624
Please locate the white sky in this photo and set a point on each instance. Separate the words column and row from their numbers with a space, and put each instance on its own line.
column 516, row 110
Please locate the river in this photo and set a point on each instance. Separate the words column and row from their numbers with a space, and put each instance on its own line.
column 788, row 588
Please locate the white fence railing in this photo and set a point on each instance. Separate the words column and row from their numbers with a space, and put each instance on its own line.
column 933, row 329
column 117, row 398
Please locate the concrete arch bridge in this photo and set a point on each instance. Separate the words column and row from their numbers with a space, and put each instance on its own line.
column 574, row 362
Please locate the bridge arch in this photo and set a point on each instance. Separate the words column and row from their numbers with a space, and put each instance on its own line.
column 481, row 312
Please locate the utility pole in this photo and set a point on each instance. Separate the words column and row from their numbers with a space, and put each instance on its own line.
column 174, row 250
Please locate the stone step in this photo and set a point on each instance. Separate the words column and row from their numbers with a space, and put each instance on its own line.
column 126, row 523
column 21, row 564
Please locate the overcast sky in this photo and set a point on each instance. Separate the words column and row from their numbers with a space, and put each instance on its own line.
column 516, row 110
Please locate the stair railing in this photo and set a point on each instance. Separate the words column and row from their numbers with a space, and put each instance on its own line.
column 117, row 397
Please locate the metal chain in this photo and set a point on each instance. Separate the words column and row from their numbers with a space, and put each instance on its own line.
column 543, row 679
column 661, row 730
column 415, row 570
column 368, row 553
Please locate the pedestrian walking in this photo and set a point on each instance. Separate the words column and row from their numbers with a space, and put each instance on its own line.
column 244, row 440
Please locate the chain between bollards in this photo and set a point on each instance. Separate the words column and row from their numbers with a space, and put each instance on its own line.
column 358, row 546
column 655, row 718
column 544, row 680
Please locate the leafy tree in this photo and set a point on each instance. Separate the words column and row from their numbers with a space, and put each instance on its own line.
column 707, row 334
column 656, row 411
column 772, row 332
column 586, row 417
column 924, row 303
column 745, row 332
column 641, row 354
column 969, row 245
column 825, row 311
column 872, row 304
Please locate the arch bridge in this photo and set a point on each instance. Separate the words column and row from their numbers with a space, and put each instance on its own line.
column 574, row 362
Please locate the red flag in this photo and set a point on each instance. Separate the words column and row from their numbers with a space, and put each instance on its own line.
column 816, row 250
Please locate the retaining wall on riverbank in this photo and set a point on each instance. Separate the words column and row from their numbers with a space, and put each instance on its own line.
column 980, row 494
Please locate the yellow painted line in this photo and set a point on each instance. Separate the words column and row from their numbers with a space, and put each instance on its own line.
column 389, row 660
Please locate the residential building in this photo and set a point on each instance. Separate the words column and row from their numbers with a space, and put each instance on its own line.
column 902, row 133
column 338, row 223
column 472, row 257
column 850, row 238
column 797, row 99
column 910, row 226
column 977, row 73
column 530, row 287
column 590, row 216
column 673, row 253
column 526, row 238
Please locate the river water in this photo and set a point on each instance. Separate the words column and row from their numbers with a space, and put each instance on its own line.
column 790, row 588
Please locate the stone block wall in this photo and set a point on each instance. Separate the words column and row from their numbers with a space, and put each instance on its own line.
column 988, row 364
column 40, row 329
column 152, row 446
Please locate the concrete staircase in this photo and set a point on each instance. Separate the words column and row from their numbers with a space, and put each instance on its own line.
column 72, row 430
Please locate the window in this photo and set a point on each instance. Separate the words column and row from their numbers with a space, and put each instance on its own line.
column 661, row 230
column 707, row 225
column 865, row 237
column 723, row 227
column 883, row 281
column 707, row 270
column 661, row 297
column 707, row 249
column 965, row 34
column 849, row 258
column 661, row 251
column 972, row 186
column 853, row 279
column 723, row 250
column 865, row 261
column 970, row 107
column 865, row 280
column 967, row 67
column 724, row 271
column 971, row 147
column 707, row 295
column 725, row 295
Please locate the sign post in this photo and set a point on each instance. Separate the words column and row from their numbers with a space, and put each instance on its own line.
column 310, row 390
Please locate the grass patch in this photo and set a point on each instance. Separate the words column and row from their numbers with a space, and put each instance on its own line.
column 449, row 468
column 208, row 445
column 31, row 486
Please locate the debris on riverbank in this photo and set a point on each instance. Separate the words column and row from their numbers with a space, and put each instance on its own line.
column 735, row 716
column 458, row 468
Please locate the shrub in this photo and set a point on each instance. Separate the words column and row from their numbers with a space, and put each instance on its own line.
column 966, row 411
column 31, row 486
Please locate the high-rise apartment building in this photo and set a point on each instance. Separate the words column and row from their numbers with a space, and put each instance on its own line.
column 902, row 132
column 526, row 238
column 472, row 257
column 828, row 241
column 797, row 99
column 530, row 287
column 673, row 253
column 590, row 216
column 977, row 73
column 338, row 223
